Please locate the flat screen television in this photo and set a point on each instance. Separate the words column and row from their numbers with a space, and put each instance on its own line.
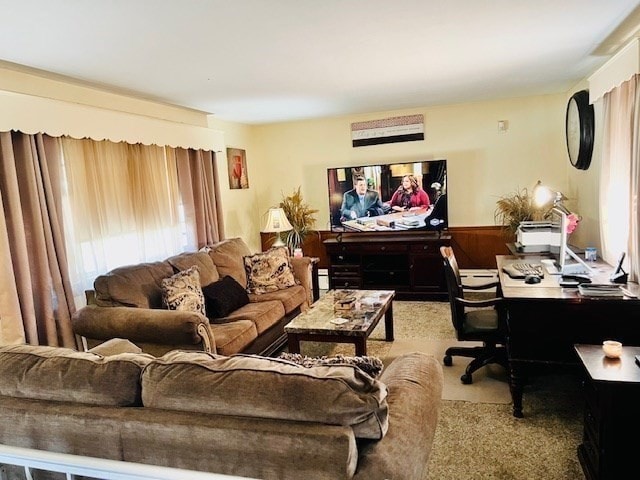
column 368, row 198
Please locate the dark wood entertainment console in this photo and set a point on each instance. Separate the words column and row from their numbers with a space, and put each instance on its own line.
column 409, row 263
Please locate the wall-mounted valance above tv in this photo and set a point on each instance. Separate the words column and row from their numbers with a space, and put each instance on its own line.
column 371, row 198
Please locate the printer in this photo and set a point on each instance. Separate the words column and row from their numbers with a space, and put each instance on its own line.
column 537, row 236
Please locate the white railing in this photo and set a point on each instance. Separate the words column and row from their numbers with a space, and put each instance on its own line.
column 96, row 467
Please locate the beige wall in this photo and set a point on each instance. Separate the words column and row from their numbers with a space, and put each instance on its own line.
column 483, row 163
column 583, row 186
column 242, row 209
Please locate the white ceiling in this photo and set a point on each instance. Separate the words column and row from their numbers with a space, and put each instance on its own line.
column 259, row 61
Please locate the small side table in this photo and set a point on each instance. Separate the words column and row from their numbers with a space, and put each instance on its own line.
column 612, row 416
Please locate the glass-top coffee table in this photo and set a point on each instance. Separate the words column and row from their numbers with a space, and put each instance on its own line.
column 361, row 312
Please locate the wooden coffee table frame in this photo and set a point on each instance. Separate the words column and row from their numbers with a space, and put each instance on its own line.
column 320, row 329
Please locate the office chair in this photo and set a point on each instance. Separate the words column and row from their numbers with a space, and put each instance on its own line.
column 473, row 323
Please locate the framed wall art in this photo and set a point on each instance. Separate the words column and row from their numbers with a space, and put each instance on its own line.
column 237, row 167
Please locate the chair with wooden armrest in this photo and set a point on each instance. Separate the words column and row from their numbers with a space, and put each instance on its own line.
column 474, row 320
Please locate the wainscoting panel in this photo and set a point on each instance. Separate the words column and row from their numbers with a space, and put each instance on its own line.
column 474, row 247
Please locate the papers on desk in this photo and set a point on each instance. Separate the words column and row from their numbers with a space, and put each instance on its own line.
column 600, row 290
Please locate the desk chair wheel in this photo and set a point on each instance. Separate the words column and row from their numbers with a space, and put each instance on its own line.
column 447, row 360
column 467, row 379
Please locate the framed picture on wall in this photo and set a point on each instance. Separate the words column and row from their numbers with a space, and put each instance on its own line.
column 237, row 166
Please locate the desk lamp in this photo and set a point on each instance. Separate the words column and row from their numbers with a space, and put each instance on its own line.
column 544, row 196
column 277, row 222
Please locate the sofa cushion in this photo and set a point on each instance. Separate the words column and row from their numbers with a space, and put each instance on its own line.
column 263, row 314
column 208, row 271
column 223, row 297
column 132, row 286
column 182, row 291
column 269, row 271
column 65, row 375
column 227, row 256
column 291, row 298
column 233, row 337
column 253, row 386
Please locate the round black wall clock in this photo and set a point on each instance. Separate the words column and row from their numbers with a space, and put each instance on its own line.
column 579, row 124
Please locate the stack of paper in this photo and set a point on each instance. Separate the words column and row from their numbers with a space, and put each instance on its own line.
column 409, row 222
column 600, row 290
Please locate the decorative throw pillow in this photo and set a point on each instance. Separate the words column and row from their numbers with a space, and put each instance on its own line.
column 182, row 291
column 372, row 366
column 269, row 271
column 223, row 297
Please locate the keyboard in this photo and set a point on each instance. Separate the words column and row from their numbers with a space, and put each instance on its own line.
column 521, row 270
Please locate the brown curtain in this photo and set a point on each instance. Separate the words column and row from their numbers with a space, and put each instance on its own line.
column 30, row 182
column 197, row 172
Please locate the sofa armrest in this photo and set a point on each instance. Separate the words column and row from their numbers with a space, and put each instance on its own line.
column 164, row 327
column 414, row 382
column 305, row 270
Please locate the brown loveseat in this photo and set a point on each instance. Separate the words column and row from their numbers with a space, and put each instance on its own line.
column 242, row 415
column 127, row 303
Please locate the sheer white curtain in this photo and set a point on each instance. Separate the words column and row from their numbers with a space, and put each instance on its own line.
column 122, row 206
column 619, row 182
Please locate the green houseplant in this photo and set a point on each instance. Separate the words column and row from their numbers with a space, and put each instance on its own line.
column 301, row 216
column 517, row 207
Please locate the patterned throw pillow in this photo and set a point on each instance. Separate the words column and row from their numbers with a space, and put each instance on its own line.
column 372, row 366
column 269, row 271
column 182, row 291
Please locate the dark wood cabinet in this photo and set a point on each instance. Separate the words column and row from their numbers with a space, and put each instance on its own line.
column 410, row 264
column 611, row 420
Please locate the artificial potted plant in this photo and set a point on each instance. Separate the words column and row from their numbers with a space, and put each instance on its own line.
column 517, row 207
column 302, row 219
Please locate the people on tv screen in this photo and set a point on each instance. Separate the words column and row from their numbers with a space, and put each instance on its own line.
column 360, row 201
column 409, row 196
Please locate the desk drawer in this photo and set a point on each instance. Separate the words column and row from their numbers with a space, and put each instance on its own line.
column 591, row 427
column 387, row 278
column 346, row 282
column 342, row 270
column 426, row 248
column 342, row 248
column 345, row 259
column 592, row 404
column 591, row 451
column 384, row 248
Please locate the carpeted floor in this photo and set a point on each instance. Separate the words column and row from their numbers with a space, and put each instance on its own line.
column 477, row 436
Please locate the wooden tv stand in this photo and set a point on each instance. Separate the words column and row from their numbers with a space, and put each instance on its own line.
column 409, row 263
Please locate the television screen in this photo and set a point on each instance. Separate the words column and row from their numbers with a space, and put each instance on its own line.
column 388, row 197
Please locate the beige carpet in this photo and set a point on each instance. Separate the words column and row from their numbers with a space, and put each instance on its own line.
column 489, row 383
column 477, row 437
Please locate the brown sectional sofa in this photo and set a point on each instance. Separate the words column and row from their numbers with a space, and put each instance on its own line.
column 127, row 303
column 205, row 412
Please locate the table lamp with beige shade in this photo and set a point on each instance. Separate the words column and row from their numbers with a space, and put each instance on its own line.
column 277, row 222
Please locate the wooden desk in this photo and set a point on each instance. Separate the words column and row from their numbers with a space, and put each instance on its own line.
column 544, row 321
